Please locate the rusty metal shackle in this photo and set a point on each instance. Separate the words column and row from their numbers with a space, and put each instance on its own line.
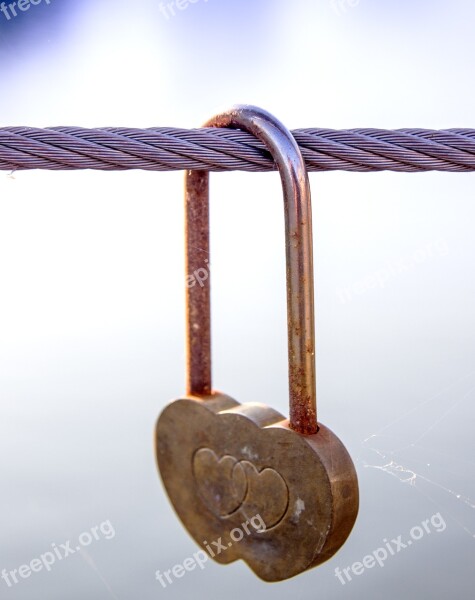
column 299, row 259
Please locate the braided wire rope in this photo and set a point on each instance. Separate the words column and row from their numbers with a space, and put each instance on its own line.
column 216, row 149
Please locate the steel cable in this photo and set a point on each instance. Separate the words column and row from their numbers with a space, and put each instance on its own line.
column 216, row 149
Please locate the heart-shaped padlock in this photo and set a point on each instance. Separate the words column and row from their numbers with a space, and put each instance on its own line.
column 280, row 494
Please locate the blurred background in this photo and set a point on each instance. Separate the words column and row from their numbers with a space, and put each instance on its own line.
column 92, row 287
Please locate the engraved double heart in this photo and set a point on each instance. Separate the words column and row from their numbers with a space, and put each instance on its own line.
column 227, row 485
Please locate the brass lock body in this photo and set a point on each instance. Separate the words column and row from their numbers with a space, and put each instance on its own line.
column 228, row 466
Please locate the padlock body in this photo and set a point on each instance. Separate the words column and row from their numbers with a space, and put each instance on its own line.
column 236, row 473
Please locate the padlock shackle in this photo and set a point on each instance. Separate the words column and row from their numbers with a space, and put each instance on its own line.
column 299, row 258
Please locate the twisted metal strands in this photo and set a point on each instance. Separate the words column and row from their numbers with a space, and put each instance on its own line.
column 214, row 149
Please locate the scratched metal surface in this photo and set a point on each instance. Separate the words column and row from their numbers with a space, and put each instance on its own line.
column 92, row 302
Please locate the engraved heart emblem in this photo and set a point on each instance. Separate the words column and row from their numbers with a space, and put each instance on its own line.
column 227, row 485
column 221, row 483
